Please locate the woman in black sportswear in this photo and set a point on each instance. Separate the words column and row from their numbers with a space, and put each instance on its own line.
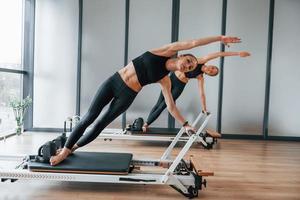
column 179, row 79
column 121, row 89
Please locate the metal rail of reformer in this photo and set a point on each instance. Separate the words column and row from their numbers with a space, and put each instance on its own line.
column 119, row 134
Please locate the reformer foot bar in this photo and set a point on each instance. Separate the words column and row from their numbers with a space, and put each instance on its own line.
column 184, row 176
column 118, row 134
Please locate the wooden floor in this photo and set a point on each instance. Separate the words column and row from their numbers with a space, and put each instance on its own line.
column 243, row 170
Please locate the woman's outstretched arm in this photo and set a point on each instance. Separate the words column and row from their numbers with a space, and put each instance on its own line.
column 202, row 92
column 171, row 106
column 172, row 48
column 215, row 55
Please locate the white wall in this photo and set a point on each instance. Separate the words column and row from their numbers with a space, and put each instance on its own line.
column 103, row 39
column 149, row 27
column 284, row 117
column 197, row 21
column 244, row 78
column 55, row 62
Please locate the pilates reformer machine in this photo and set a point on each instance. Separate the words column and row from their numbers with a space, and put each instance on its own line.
column 184, row 176
column 208, row 135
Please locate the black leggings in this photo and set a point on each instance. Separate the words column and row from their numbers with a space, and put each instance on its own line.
column 176, row 90
column 113, row 89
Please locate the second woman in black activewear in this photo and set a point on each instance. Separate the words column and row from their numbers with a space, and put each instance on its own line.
column 176, row 90
column 180, row 79
column 121, row 89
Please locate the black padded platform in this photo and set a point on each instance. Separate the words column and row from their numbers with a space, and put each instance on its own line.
column 158, row 131
column 89, row 163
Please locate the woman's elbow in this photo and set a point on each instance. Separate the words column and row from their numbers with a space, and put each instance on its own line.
column 193, row 43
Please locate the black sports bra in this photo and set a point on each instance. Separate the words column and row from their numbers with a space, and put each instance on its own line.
column 150, row 68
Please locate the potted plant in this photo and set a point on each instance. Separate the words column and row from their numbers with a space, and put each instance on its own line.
column 20, row 107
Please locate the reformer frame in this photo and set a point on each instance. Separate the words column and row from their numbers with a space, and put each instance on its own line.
column 181, row 175
column 119, row 134
column 109, row 134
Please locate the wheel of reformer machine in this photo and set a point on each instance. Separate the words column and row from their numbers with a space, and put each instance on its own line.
column 209, row 146
column 193, row 192
column 209, row 141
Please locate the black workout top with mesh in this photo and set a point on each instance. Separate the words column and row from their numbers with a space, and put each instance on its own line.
column 150, row 68
column 193, row 74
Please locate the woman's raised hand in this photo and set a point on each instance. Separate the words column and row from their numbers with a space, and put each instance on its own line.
column 226, row 40
column 244, row 54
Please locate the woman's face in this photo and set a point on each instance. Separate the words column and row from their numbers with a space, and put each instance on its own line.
column 210, row 70
column 186, row 63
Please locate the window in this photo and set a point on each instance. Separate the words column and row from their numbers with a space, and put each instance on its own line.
column 11, row 34
column 10, row 87
column 11, row 70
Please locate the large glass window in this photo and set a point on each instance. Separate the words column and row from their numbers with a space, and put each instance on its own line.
column 11, row 32
column 10, row 87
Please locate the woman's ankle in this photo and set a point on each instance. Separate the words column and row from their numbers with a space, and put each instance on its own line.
column 74, row 148
column 65, row 152
column 145, row 127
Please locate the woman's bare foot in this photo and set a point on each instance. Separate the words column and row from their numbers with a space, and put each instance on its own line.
column 145, row 127
column 62, row 155
column 72, row 150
